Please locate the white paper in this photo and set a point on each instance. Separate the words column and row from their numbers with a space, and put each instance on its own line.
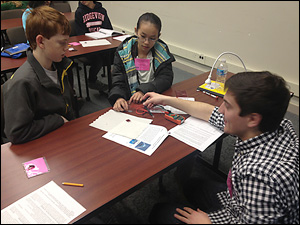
column 122, row 38
column 93, row 43
column 112, row 118
column 130, row 129
column 196, row 133
column 49, row 204
column 146, row 143
column 102, row 33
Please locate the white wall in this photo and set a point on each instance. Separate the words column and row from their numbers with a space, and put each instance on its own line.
column 265, row 34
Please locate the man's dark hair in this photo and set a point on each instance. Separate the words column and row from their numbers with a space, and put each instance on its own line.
column 261, row 92
column 152, row 18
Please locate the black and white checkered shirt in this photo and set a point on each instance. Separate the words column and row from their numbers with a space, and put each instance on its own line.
column 265, row 178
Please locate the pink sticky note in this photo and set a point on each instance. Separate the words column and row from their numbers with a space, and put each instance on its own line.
column 36, row 167
column 142, row 64
column 74, row 43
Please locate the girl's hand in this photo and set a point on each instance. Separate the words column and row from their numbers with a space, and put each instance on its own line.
column 137, row 97
column 120, row 105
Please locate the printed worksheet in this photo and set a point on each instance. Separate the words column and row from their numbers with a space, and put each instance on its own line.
column 197, row 133
column 49, row 204
column 150, row 139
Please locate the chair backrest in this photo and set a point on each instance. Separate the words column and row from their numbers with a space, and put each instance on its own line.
column 12, row 13
column 73, row 28
column 16, row 35
column 62, row 7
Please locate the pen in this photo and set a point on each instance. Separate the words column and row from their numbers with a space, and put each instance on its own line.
column 72, row 184
column 216, row 97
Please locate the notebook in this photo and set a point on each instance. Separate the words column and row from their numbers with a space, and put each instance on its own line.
column 18, row 48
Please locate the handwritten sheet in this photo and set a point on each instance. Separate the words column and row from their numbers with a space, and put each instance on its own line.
column 49, row 204
column 196, row 133
column 130, row 129
column 112, row 118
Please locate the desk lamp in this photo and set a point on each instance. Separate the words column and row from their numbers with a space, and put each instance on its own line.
column 208, row 80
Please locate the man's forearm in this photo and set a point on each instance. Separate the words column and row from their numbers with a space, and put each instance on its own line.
column 199, row 110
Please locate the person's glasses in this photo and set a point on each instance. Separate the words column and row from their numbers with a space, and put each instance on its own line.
column 143, row 39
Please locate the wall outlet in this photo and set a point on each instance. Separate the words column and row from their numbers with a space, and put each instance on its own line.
column 201, row 58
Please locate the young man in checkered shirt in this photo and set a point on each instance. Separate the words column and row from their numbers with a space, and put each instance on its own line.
column 263, row 183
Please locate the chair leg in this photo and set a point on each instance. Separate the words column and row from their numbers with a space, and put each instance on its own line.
column 103, row 74
column 78, row 80
column 76, row 107
column 86, row 83
column 161, row 187
column 109, row 80
column 4, row 76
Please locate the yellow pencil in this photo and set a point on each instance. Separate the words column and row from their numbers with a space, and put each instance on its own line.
column 72, row 184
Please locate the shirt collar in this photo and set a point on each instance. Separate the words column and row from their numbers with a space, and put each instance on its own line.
column 244, row 147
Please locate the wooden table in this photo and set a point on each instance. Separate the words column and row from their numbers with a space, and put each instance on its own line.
column 9, row 64
column 16, row 22
column 77, row 152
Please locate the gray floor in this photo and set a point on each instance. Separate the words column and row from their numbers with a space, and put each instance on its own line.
column 135, row 208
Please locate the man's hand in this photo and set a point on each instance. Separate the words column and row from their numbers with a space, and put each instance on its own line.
column 152, row 98
column 191, row 216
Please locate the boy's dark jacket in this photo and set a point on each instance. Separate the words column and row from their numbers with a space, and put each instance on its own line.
column 90, row 20
column 33, row 103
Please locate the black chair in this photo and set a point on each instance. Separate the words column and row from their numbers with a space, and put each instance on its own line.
column 9, row 14
column 62, row 7
column 16, row 35
column 12, row 13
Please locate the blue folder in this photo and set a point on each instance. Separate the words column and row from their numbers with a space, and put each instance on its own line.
column 18, row 48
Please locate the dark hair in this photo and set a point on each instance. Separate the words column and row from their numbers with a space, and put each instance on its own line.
column 261, row 92
column 34, row 4
column 152, row 18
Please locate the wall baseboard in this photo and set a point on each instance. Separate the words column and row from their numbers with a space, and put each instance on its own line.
column 294, row 105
